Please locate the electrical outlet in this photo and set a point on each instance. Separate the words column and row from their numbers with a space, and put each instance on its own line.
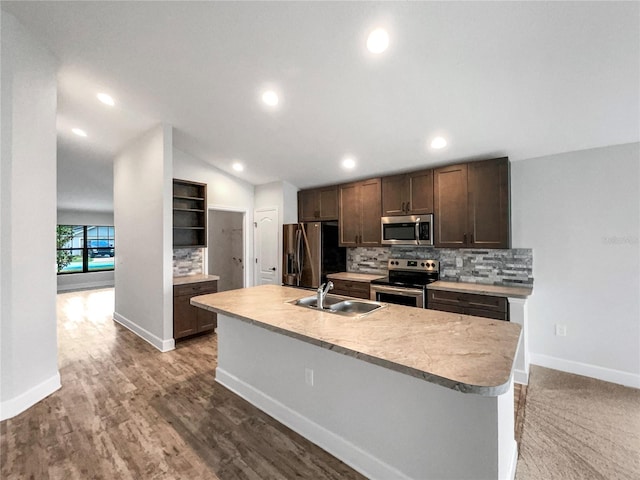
column 561, row 330
column 308, row 376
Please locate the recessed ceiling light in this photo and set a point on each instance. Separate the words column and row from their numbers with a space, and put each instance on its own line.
column 438, row 142
column 79, row 132
column 349, row 163
column 378, row 40
column 270, row 98
column 106, row 99
column 237, row 166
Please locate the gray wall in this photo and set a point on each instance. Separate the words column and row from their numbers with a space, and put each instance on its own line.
column 143, row 229
column 84, row 217
column 580, row 214
column 29, row 368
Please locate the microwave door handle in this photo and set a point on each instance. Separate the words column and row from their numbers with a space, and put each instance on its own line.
column 418, row 231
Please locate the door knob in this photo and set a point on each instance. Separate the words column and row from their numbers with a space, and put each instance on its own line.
column 273, row 268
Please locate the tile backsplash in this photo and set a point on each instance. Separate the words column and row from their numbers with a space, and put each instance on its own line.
column 368, row 259
column 187, row 261
column 512, row 267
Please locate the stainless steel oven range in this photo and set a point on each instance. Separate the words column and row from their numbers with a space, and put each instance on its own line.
column 407, row 282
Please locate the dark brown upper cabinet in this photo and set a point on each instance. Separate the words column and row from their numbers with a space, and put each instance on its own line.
column 359, row 213
column 408, row 194
column 471, row 205
column 318, row 204
column 189, row 214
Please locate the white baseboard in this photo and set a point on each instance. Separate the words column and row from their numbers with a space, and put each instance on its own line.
column 601, row 373
column 85, row 286
column 511, row 475
column 521, row 377
column 14, row 406
column 160, row 344
column 350, row 454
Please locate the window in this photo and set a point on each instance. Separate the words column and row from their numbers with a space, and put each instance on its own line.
column 85, row 248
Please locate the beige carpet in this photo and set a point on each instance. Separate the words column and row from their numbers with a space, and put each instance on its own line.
column 579, row 428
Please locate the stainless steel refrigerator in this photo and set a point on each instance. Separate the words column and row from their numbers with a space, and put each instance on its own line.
column 310, row 252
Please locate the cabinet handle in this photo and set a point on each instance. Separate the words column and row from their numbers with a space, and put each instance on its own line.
column 402, row 208
column 472, row 238
column 465, row 239
column 356, row 239
column 407, row 210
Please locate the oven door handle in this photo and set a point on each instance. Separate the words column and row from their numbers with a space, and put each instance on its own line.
column 405, row 291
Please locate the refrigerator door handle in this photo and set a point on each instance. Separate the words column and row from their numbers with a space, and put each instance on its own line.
column 298, row 256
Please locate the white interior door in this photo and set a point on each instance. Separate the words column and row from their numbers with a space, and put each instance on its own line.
column 266, row 245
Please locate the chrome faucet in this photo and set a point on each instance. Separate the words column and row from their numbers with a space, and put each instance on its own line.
column 322, row 293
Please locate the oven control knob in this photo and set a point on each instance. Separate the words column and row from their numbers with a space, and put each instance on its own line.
column 422, row 264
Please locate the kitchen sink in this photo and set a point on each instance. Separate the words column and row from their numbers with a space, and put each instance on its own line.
column 312, row 302
column 340, row 305
column 356, row 307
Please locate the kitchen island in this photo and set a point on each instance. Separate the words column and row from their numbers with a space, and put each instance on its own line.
column 398, row 393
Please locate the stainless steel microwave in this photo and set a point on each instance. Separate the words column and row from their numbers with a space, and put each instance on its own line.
column 407, row 230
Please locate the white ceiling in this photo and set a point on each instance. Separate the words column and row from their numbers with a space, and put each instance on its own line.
column 495, row 78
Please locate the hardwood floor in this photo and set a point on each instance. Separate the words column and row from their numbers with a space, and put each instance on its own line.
column 127, row 411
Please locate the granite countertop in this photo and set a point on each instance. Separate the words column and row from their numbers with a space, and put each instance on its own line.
column 354, row 277
column 480, row 289
column 469, row 354
column 194, row 279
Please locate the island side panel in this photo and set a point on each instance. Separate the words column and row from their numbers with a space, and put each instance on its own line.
column 383, row 423
column 518, row 313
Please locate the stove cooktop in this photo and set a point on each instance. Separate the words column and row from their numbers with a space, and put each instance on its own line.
column 410, row 273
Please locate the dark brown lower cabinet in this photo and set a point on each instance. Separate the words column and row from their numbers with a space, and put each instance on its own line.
column 187, row 319
column 350, row 288
column 486, row 306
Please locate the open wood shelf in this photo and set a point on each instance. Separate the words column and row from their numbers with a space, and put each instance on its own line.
column 184, row 197
column 189, row 214
column 188, row 210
